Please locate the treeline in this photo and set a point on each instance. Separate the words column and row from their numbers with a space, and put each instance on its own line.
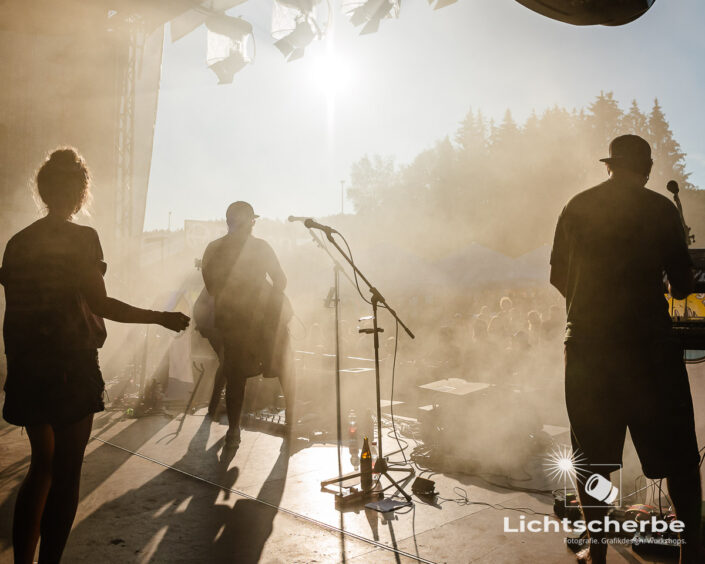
column 503, row 185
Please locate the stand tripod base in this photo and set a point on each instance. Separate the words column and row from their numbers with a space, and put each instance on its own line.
column 349, row 491
column 356, row 494
column 410, row 473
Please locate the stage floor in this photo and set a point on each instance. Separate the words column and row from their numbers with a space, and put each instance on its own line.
column 150, row 495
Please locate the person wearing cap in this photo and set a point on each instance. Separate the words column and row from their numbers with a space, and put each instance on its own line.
column 243, row 275
column 623, row 370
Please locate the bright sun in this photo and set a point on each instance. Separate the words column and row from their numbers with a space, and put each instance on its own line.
column 330, row 74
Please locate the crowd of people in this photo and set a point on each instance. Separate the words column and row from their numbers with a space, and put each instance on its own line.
column 510, row 337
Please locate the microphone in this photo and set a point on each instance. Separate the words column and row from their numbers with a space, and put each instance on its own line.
column 672, row 187
column 311, row 223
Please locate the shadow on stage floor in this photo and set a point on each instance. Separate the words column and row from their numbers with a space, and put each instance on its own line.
column 220, row 531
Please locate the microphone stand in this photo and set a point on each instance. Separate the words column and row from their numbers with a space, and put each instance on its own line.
column 380, row 467
column 672, row 187
column 337, row 269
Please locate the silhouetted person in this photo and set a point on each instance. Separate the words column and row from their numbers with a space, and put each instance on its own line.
column 551, row 324
column 533, row 322
column 251, row 313
column 56, row 301
column 623, row 370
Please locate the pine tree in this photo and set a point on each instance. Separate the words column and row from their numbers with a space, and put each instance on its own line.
column 669, row 160
column 603, row 121
column 471, row 135
column 635, row 122
column 506, row 135
column 532, row 126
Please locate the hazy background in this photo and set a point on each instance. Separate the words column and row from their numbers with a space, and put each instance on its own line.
column 283, row 135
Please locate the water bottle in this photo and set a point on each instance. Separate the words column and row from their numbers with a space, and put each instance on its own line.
column 352, row 429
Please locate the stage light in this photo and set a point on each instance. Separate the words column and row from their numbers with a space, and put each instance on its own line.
column 440, row 3
column 229, row 43
column 295, row 26
column 370, row 13
column 190, row 19
column 590, row 12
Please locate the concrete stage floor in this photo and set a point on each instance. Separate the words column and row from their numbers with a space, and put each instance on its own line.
column 150, row 495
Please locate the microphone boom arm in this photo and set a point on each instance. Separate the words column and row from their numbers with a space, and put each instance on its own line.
column 672, row 187
column 377, row 297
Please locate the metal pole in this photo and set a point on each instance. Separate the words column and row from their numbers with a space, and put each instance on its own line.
column 375, row 329
column 339, row 428
column 342, row 197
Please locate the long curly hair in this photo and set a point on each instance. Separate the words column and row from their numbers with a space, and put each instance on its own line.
column 63, row 181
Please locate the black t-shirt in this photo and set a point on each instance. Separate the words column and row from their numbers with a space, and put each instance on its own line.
column 43, row 271
column 235, row 269
column 612, row 245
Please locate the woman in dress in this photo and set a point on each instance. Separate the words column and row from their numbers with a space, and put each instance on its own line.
column 55, row 305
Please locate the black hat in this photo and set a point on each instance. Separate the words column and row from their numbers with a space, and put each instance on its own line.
column 631, row 150
column 239, row 212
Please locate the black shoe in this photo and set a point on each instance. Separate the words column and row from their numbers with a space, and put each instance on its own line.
column 232, row 439
column 230, row 448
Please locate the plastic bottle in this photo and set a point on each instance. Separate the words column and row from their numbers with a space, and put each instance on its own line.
column 352, row 429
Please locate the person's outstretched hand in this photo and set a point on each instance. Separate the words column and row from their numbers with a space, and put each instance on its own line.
column 174, row 320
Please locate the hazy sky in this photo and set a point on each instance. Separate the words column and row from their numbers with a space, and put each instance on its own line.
column 273, row 138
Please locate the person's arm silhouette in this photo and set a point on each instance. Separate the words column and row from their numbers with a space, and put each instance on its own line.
column 109, row 308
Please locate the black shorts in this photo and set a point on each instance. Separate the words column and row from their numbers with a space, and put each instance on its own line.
column 610, row 387
column 52, row 389
column 249, row 351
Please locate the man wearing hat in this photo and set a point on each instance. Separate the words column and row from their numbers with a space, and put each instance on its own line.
column 623, row 370
column 243, row 275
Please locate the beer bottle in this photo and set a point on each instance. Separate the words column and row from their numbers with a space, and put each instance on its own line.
column 366, row 466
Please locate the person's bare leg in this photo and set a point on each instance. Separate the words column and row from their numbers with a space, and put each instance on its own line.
column 593, row 510
column 287, row 381
column 218, row 380
column 218, row 385
column 686, row 492
column 62, row 502
column 32, row 495
column 234, row 397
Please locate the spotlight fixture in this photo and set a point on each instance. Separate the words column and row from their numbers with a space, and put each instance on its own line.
column 590, row 12
column 194, row 14
column 440, row 3
column 295, row 26
column 229, row 41
column 370, row 13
